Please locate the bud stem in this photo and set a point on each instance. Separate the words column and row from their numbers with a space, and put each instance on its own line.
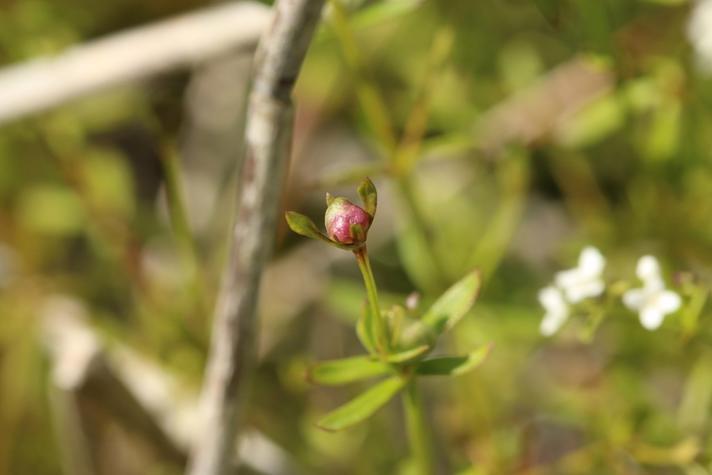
column 378, row 327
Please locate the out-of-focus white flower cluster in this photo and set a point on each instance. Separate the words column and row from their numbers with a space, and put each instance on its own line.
column 699, row 32
column 652, row 301
column 571, row 287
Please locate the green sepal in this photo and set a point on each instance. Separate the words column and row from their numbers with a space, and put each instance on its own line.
column 358, row 233
column 347, row 370
column 329, row 199
column 363, row 406
column 452, row 305
column 369, row 196
column 407, row 355
column 304, row 226
column 453, row 365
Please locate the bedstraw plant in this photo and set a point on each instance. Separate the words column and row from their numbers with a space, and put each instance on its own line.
column 397, row 342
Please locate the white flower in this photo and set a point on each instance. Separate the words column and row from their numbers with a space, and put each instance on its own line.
column 557, row 310
column 699, row 32
column 652, row 301
column 571, row 287
column 585, row 280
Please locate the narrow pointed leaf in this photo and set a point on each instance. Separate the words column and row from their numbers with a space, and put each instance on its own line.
column 369, row 196
column 453, row 304
column 364, row 330
column 407, row 355
column 453, row 365
column 363, row 406
column 304, row 226
column 347, row 370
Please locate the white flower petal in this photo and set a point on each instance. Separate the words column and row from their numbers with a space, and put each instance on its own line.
column 557, row 310
column 553, row 301
column 668, row 301
column 591, row 261
column 568, row 278
column 651, row 317
column 584, row 290
column 634, row 299
column 648, row 270
column 551, row 323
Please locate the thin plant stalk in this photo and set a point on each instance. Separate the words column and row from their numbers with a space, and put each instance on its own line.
column 417, row 428
column 398, row 157
column 179, row 219
column 364, row 265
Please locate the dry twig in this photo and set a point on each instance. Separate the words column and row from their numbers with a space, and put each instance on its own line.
column 268, row 129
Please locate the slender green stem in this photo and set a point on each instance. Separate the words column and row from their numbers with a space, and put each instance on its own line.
column 179, row 219
column 378, row 328
column 417, row 427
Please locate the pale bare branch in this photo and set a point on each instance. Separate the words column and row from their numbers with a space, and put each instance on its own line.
column 268, row 131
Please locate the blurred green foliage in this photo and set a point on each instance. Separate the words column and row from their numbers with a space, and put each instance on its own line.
column 410, row 82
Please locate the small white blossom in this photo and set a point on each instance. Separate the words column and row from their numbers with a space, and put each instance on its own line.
column 585, row 280
column 571, row 286
column 652, row 301
column 557, row 310
column 699, row 32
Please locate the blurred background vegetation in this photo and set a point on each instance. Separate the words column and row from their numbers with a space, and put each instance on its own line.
column 504, row 135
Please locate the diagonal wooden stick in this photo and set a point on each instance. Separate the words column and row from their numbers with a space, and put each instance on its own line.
column 268, row 130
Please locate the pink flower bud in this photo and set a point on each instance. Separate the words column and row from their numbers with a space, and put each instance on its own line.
column 340, row 216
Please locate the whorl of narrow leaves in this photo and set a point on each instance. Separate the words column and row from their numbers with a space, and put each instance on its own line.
column 390, row 351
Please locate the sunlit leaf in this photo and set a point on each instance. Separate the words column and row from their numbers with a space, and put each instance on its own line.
column 453, row 304
column 363, row 406
column 347, row 370
column 453, row 365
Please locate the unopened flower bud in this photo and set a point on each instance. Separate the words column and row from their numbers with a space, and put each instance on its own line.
column 345, row 222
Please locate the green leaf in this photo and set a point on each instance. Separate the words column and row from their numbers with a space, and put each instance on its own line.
column 347, row 370
column 407, row 355
column 453, row 365
column 362, row 406
column 304, row 226
column 453, row 304
column 369, row 196
column 364, row 330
